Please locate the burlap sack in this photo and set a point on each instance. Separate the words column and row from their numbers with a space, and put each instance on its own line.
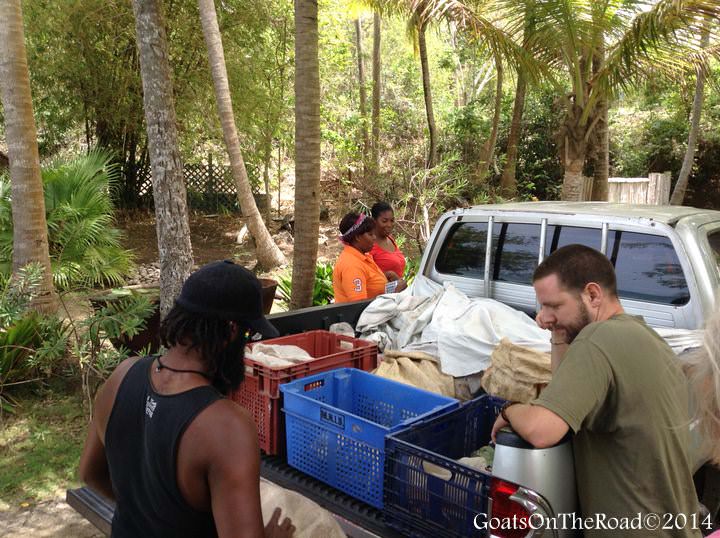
column 516, row 373
column 310, row 519
column 417, row 369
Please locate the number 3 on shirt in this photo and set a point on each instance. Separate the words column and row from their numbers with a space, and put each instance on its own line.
column 357, row 284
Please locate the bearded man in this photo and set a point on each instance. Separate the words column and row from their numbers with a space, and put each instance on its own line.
column 618, row 386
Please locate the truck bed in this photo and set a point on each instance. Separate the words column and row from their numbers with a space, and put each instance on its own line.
column 356, row 518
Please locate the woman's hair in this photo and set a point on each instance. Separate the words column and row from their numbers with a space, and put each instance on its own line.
column 348, row 221
column 379, row 208
column 212, row 337
column 704, row 376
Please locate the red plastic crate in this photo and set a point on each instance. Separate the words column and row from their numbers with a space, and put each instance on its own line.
column 260, row 394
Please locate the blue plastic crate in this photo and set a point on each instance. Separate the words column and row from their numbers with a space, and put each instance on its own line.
column 336, row 423
column 445, row 501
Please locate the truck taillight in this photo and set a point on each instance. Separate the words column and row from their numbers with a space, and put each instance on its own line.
column 504, row 509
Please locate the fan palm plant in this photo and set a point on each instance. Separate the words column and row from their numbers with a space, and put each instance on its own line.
column 85, row 247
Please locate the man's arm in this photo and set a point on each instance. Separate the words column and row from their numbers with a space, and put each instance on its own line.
column 233, row 473
column 94, row 469
column 537, row 425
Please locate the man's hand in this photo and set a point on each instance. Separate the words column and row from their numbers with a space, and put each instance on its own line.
column 275, row 529
column 499, row 424
column 559, row 335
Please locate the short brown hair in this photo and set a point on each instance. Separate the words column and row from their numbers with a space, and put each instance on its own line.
column 576, row 266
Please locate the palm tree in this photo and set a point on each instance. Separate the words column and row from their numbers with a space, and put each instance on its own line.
column 307, row 152
column 30, row 236
column 268, row 253
column 171, row 213
column 508, row 181
column 488, row 33
column 363, row 94
column 488, row 149
column 427, row 92
column 678, row 194
column 575, row 33
column 375, row 156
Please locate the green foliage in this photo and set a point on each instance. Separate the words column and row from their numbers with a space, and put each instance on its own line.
column 124, row 315
column 322, row 290
column 40, row 446
column 411, row 269
column 539, row 171
column 30, row 344
column 85, row 248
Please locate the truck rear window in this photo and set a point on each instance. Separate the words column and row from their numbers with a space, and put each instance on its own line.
column 463, row 252
column 647, row 268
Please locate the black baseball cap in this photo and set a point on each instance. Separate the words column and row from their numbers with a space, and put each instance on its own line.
column 228, row 291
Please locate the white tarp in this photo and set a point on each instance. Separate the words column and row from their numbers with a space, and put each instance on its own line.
column 462, row 331
column 442, row 321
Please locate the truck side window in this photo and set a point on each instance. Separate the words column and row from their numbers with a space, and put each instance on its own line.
column 517, row 246
column 463, row 252
column 561, row 236
column 714, row 240
column 647, row 268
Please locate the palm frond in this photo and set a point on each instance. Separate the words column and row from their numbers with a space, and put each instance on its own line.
column 664, row 40
column 85, row 248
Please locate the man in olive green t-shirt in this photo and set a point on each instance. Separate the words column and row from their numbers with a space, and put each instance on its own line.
column 617, row 385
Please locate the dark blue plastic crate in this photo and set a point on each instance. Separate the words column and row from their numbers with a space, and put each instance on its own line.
column 420, row 503
column 336, row 423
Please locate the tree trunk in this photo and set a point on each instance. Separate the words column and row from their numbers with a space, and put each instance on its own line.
column 267, row 157
column 678, row 194
column 307, row 152
column 30, row 239
column 432, row 152
column 376, row 94
column 171, row 213
column 461, row 97
column 601, row 170
column 488, row 150
column 363, row 95
column 508, row 181
column 573, row 181
column 268, row 254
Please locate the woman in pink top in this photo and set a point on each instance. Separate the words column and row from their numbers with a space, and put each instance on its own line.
column 385, row 251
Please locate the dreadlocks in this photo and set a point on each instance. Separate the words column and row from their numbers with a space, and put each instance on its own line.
column 212, row 337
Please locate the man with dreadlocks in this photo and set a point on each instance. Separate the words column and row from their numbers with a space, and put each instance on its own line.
column 178, row 458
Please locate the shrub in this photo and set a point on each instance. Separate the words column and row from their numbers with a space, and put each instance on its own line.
column 85, row 248
column 322, row 290
column 30, row 344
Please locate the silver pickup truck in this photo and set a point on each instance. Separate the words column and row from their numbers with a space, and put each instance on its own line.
column 667, row 261
column 667, row 258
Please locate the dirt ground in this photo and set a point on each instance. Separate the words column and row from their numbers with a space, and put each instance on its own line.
column 215, row 237
column 52, row 518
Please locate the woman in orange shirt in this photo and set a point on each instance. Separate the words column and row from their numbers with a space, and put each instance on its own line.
column 385, row 251
column 356, row 276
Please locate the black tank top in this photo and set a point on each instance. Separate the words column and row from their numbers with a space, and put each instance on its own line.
column 141, row 444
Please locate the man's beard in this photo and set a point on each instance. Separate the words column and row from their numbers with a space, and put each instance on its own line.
column 573, row 329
